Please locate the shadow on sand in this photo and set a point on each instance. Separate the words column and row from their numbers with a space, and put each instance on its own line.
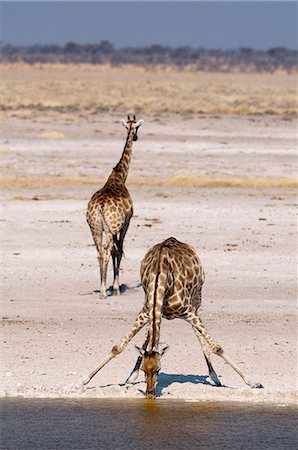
column 123, row 289
column 166, row 379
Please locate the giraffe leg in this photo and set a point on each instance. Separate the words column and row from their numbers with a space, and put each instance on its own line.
column 141, row 320
column 118, row 255
column 216, row 348
column 103, row 262
column 116, row 266
column 97, row 234
column 114, row 251
column 132, row 377
column 212, row 374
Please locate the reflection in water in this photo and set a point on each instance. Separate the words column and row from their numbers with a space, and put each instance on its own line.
column 140, row 424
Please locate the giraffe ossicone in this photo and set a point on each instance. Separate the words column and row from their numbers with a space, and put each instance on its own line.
column 110, row 210
column 135, row 125
column 172, row 277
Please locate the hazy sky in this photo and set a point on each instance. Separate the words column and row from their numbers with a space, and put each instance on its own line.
column 220, row 24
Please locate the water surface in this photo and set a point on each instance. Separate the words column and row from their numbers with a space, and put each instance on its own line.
column 139, row 424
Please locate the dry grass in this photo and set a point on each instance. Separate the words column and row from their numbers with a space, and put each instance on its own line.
column 52, row 135
column 26, row 182
column 21, row 197
column 209, row 182
column 163, row 194
column 175, row 181
column 70, row 90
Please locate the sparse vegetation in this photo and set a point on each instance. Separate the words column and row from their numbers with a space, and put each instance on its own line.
column 175, row 181
column 200, row 59
column 70, row 91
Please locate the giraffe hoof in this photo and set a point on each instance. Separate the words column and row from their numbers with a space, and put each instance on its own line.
column 102, row 295
column 214, row 380
column 116, row 291
column 257, row 386
column 132, row 378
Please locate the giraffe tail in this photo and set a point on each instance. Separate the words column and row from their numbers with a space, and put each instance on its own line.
column 158, row 285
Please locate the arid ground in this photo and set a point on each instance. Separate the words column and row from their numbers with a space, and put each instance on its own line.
column 224, row 181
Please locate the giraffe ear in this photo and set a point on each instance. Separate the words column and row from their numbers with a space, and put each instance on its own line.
column 164, row 350
column 124, row 123
column 140, row 350
column 138, row 124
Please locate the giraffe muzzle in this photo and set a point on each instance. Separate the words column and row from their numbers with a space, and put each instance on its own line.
column 150, row 395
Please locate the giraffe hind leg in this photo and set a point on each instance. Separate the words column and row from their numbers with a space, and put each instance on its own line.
column 116, row 266
column 106, row 252
column 97, row 234
column 132, row 377
column 103, row 242
column 212, row 374
column 117, row 255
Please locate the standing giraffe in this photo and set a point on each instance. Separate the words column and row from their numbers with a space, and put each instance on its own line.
column 110, row 210
column 172, row 278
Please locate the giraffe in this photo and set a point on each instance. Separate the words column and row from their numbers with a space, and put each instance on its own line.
column 110, row 210
column 172, row 278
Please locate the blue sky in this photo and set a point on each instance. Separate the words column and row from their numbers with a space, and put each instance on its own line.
column 220, row 24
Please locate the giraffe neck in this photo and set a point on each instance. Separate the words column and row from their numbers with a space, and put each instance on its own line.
column 155, row 302
column 122, row 167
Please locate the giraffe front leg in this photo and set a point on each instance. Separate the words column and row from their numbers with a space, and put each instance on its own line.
column 252, row 384
column 218, row 350
column 141, row 320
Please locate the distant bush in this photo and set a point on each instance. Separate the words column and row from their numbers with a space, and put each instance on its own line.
column 244, row 59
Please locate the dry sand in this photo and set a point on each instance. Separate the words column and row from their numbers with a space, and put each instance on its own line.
column 54, row 327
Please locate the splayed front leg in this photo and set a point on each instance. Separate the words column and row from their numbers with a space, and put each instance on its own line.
column 252, row 384
column 218, row 350
column 141, row 320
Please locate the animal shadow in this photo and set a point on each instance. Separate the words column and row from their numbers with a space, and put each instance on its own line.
column 123, row 289
column 166, row 379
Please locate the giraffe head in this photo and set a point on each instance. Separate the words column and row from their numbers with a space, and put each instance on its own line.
column 151, row 367
column 132, row 125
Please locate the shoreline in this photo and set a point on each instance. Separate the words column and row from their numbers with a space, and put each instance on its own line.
column 269, row 398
